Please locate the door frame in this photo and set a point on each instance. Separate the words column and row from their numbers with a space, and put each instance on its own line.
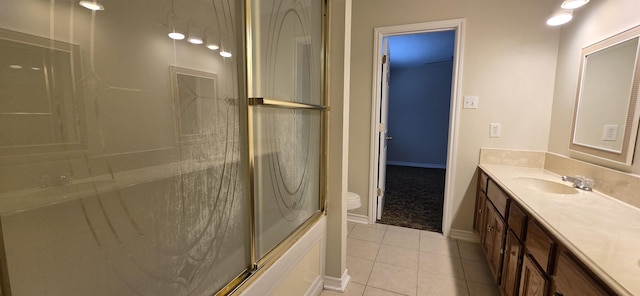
column 454, row 110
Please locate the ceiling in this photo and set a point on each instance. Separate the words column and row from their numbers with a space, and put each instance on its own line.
column 421, row 48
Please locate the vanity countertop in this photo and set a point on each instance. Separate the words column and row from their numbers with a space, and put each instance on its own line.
column 601, row 231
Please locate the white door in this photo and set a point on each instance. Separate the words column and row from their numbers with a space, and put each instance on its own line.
column 383, row 129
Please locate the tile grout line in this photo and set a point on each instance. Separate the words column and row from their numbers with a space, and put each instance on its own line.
column 375, row 260
column 464, row 273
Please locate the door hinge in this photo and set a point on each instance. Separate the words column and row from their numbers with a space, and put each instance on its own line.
column 379, row 191
column 380, row 127
column 384, row 59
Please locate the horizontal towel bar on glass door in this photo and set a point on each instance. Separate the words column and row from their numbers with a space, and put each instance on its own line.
column 284, row 104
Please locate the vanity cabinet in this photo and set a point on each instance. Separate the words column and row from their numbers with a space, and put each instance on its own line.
column 523, row 257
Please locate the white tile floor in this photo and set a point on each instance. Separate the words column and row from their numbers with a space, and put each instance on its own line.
column 388, row 260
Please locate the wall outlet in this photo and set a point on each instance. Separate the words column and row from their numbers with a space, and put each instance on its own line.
column 470, row 102
column 495, row 130
column 610, row 132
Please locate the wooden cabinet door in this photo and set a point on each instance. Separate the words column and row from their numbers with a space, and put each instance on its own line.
column 512, row 265
column 572, row 280
column 494, row 240
column 479, row 223
column 533, row 281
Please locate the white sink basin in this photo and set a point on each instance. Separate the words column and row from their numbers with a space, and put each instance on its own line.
column 545, row 186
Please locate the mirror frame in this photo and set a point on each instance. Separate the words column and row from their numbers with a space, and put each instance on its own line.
column 625, row 156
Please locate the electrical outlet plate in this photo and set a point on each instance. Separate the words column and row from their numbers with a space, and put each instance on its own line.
column 470, row 102
column 495, row 130
column 610, row 132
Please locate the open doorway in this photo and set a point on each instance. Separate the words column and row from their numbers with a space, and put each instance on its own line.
column 418, row 128
column 413, row 149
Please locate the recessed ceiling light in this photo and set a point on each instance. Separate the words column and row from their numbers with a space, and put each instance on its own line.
column 213, row 46
column 225, row 54
column 573, row 4
column 91, row 5
column 15, row 66
column 560, row 18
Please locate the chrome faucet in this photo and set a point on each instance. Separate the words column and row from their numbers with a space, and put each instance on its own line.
column 579, row 182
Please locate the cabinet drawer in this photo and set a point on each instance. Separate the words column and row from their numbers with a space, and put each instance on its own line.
column 540, row 246
column 571, row 279
column 482, row 182
column 517, row 221
column 499, row 199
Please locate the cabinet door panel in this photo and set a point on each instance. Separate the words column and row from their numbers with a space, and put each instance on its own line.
column 479, row 222
column 494, row 240
column 512, row 265
column 533, row 281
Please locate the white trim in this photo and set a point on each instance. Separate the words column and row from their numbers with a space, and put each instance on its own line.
column 337, row 284
column 418, row 164
column 464, row 235
column 316, row 287
column 272, row 277
column 454, row 118
column 356, row 218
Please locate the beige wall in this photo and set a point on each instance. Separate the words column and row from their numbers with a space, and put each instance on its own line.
column 338, row 121
column 592, row 23
column 509, row 61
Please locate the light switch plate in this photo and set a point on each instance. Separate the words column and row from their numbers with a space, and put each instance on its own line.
column 495, row 130
column 470, row 102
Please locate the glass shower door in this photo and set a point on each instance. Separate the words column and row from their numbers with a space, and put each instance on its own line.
column 285, row 87
column 123, row 152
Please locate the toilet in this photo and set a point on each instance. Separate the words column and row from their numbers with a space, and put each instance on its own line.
column 353, row 201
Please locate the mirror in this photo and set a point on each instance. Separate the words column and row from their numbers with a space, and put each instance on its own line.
column 605, row 121
column 41, row 98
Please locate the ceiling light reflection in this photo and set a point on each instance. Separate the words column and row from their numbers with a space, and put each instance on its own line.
column 91, row 5
column 559, row 19
column 573, row 4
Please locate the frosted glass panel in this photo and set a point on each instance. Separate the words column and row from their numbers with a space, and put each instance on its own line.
column 123, row 169
column 287, row 50
column 287, row 170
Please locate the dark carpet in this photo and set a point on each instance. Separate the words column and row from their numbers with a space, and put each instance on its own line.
column 414, row 198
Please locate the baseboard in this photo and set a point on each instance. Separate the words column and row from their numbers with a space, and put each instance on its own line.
column 464, row 235
column 418, row 164
column 316, row 287
column 357, row 218
column 337, row 284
